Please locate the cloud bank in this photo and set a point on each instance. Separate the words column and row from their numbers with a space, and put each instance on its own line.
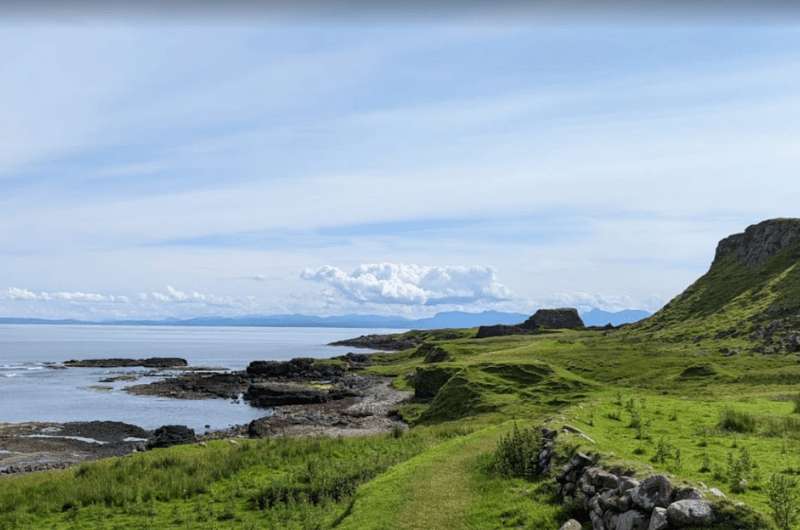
column 15, row 293
column 410, row 284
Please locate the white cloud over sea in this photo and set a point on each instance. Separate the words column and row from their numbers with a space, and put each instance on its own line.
column 16, row 293
column 411, row 284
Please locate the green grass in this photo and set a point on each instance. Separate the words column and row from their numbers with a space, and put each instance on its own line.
column 290, row 483
column 709, row 432
column 639, row 396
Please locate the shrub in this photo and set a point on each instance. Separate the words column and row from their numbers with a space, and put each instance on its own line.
column 783, row 499
column 663, row 452
column 740, row 470
column 517, row 453
column 737, row 421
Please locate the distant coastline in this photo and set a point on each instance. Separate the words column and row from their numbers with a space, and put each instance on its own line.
column 451, row 319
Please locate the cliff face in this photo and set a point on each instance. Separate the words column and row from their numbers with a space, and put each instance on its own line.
column 751, row 293
column 759, row 242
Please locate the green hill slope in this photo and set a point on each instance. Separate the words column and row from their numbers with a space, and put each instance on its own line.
column 750, row 297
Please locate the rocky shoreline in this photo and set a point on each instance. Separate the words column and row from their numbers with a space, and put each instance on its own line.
column 300, row 397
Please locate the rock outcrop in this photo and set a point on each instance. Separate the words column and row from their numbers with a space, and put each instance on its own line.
column 300, row 368
column 194, row 386
column 170, row 435
column 150, row 362
column 266, row 395
column 759, row 242
column 398, row 341
column 562, row 318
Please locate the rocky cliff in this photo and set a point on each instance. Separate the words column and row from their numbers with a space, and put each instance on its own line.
column 750, row 295
column 760, row 242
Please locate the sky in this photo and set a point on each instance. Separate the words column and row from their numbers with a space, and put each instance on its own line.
column 159, row 168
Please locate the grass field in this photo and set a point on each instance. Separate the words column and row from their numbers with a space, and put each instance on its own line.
column 675, row 407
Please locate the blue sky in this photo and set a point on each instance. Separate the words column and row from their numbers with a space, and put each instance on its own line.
column 157, row 169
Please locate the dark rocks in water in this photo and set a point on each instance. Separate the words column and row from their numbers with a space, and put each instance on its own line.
column 428, row 380
column 562, row 318
column 268, row 395
column 300, row 368
column 170, row 435
column 195, row 386
column 151, row 362
column 104, row 431
column 397, row 341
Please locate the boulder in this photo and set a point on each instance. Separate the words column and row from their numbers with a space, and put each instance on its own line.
column 572, row 524
column 715, row 492
column 658, row 519
column 563, row 318
column 632, row 520
column 597, row 522
column 627, row 483
column 690, row 512
column 652, row 492
column 580, row 460
column 687, row 493
column 169, row 435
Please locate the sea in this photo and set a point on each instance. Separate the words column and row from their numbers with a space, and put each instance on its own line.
column 31, row 390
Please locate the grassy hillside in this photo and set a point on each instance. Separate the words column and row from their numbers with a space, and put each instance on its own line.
column 747, row 289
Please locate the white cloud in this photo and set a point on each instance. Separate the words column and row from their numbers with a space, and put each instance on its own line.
column 16, row 293
column 409, row 284
column 587, row 301
column 173, row 295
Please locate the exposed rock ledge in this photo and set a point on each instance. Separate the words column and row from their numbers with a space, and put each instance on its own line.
column 150, row 362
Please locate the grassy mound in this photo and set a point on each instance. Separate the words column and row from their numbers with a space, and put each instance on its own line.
column 511, row 388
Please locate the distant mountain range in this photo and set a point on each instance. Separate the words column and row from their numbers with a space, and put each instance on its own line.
column 450, row 319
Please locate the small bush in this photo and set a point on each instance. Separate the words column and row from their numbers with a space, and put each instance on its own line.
column 783, row 500
column 741, row 470
column 737, row 421
column 517, row 453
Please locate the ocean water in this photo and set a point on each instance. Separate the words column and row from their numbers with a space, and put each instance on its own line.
column 30, row 391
